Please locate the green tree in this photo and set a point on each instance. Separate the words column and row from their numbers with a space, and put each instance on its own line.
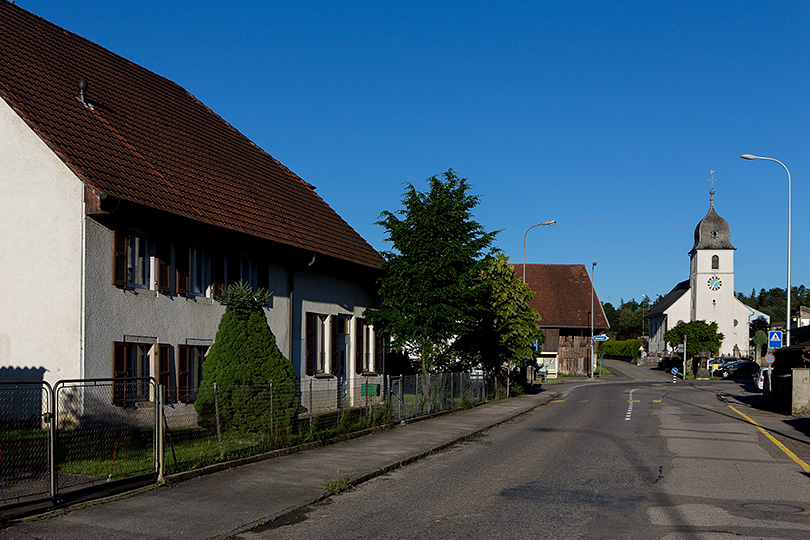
column 506, row 327
column 430, row 279
column 699, row 335
column 242, row 361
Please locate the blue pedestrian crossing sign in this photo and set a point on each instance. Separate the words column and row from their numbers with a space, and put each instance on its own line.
column 774, row 339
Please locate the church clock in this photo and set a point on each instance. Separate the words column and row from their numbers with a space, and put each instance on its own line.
column 714, row 283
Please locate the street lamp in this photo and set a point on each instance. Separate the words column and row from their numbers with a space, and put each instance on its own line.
column 549, row 222
column 643, row 296
column 593, row 293
column 787, row 319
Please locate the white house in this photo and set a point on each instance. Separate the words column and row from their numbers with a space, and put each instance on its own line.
column 708, row 294
column 127, row 205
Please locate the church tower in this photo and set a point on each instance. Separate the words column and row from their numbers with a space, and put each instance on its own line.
column 711, row 277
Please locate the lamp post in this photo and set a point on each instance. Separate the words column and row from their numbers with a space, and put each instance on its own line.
column 593, row 293
column 549, row 222
column 643, row 296
column 787, row 318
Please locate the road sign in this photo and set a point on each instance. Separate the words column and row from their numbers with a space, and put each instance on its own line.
column 769, row 358
column 674, row 371
column 600, row 338
column 774, row 339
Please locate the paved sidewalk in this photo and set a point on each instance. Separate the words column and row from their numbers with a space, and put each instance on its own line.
column 231, row 501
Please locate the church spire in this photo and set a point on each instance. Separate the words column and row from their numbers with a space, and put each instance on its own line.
column 711, row 191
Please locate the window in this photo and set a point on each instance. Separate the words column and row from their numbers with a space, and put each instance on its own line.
column 364, row 347
column 316, row 332
column 132, row 260
column 199, row 271
column 133, row 362
column 715, row 262
column 189, row 372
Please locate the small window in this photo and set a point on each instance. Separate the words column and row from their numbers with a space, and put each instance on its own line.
column 715, row 262
column 132, row 260
column 131, row 361
column 316, row 338
column 199, row 271
column 189, row 372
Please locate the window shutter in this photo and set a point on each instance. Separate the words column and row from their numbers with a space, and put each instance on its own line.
column 311, row 331
column 181, row 262
column 183, row 370
column 164, row 262
column 164, row 370
column 379, row 354
column 217, row 275
column 335, row 364
column 119, row 372
column 120, row 258
column 358, row 346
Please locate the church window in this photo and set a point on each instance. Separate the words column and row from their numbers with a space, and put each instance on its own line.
column 715, row 262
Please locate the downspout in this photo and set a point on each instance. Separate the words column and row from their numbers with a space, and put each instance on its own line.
column 291, row 287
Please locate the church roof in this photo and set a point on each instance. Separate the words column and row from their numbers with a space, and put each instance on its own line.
column 670, row 298
column 150, row 142
column 713, row 231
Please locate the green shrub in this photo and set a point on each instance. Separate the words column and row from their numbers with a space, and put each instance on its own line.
column 628, row 348
column 242, row 361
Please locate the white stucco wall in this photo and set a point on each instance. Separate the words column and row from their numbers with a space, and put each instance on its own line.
column 41, row 232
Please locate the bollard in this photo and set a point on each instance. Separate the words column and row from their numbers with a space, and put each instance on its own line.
column 674, row 375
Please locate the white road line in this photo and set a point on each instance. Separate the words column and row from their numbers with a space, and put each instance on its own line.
column 629, row 406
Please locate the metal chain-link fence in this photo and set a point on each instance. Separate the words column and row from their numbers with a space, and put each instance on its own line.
column 84, row 433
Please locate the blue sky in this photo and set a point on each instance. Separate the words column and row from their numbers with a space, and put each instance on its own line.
column 606, row 116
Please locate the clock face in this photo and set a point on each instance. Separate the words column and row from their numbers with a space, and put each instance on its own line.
column 714, row 283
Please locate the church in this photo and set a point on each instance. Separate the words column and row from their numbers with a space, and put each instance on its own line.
column 708, row 294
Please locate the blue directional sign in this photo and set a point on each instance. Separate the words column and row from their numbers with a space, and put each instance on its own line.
column 674, row 371
column 600, row 338
column 774, row 339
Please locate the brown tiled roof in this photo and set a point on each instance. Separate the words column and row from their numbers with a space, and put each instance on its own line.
column 563, row 295
column 150, row 142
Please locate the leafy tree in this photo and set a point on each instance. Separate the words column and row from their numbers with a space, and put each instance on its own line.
column 431, row 277
column 505, row 327
column 699, row 335
column 242, row 361
column 760, row 340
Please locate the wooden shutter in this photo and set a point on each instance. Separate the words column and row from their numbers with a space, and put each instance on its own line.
column 335, row 364
column 183, row 370
column 217, row 275
column 165, row 370
column 119, row 371
column 311, row 342
column 379, row 354
column 181, row 262
column 120, row 258
column 358, row 346
column 164, row 264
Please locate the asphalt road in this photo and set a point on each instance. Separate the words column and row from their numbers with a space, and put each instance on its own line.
column 629, row 460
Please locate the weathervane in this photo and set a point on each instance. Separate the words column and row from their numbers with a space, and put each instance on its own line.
column 711, row 191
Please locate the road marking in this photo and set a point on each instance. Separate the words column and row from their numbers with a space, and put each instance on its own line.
column 585, row 401
column 634, row 400
column 656, row 401
column 558, row 401
column 630, row 402
column 805, row 467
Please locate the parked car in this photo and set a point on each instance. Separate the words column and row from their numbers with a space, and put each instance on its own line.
column 740, row 368
column 716, row 363
column 761, row 378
